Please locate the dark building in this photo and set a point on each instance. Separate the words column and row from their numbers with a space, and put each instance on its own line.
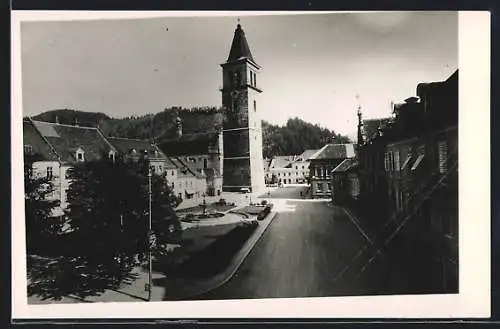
column 243, row 161
column 321, row 165
column 409, row 174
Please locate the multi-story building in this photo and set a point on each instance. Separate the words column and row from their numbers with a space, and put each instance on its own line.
column 417, row 179
column 289, row 169
column 54, row 148
column 345, row 183
column 321, row 165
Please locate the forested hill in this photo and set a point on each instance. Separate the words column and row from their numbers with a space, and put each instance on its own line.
column 296, row 136
column 292, row 138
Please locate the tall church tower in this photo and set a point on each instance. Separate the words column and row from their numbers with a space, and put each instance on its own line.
column 242, row 131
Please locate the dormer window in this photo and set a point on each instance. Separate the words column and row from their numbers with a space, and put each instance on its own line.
column 80, row 155
column 112, row 155
column 28, row 149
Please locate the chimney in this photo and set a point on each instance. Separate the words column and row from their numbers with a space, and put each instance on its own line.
column 178, row 125
column 57, row 119
column 76, row 122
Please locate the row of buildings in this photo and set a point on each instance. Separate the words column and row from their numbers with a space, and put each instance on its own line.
column 406, row 169
column 55, row 148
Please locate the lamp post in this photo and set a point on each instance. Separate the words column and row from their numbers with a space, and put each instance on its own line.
column 150, row 232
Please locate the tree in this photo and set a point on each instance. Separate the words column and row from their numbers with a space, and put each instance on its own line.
column 41, row 226
column 109, row 209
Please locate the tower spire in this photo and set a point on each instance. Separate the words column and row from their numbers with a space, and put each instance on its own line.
column 360, row 123
column 239, row 47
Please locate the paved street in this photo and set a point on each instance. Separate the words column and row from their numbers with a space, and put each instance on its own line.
column 300, row 255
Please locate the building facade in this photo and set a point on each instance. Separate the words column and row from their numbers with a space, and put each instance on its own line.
column 417, row 160
column 321, row 165
column 243, row 161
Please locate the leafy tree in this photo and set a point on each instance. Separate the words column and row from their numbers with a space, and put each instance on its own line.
column 41, row 226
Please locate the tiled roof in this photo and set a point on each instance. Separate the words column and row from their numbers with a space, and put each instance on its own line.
column 281, row 161
column 345, row 165
column 66, row 140
column 188, row 144
column 334, row 151
column 197, row 165
column 184, row 168
column 371, row 126
column 307, row 154
column 39, row 147
column 239, row 47
column 126, row 145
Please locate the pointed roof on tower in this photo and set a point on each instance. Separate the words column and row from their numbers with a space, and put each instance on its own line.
column 239, row 47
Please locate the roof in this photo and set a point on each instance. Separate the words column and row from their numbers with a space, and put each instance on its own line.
column 183, row 167
column 307, row 154
column 281, row 161
column 239, row 47
column 39, row 147
column 346, row 165
column 126, row 145
column 189, row 144
column 334, row 151
column 371, row 126
column 198, row 165
column 65, row 140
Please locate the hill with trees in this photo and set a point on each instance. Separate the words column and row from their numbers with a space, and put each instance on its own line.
column 292, row 138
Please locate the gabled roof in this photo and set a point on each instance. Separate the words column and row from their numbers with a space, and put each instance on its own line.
column 197, row 165
column 371, row 126
column 307, row 154
column 334, row 151
column 40, row 149
column 281, row 161
column 65, row 140
column 239, row 47
column 346, row 165
column 126, row 145
column 183, row 168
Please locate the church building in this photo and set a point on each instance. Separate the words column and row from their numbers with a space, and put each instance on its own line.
column 242, row 131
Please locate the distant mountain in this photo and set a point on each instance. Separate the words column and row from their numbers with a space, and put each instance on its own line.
column 292, row 138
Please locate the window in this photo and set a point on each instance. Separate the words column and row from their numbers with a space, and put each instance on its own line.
column 205, row 163
column 255, row 80
column 396, row 160
column 173, row 185
column 153, row 169
column 302, row 167
column 421, row 153
column 111, row 156
column 173, row 173
column 319, row 187
column 255, row 106
column 160, row 169
column 329, row 187
column 80, row 155
column 28, row 149
column 442, row 156
column 30, row 172
column 49, row 173
column 408, row 158
column 251, row 78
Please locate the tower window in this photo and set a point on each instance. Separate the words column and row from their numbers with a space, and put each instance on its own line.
column 28, row 149
column 49, row 173
column 254, row 105
column 79, row 155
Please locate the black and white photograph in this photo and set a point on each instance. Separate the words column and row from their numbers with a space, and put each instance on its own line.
column 244, row 156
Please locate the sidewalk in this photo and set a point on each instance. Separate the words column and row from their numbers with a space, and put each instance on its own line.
column 165, row 288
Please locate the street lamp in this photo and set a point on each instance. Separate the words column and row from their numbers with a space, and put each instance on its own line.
column 150, row 233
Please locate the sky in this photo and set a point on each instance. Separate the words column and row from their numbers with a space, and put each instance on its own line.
column 317, row 67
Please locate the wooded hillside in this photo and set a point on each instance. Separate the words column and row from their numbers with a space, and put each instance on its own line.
column 292, row 138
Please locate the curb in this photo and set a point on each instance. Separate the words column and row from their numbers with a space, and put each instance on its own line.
column 242, row 254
